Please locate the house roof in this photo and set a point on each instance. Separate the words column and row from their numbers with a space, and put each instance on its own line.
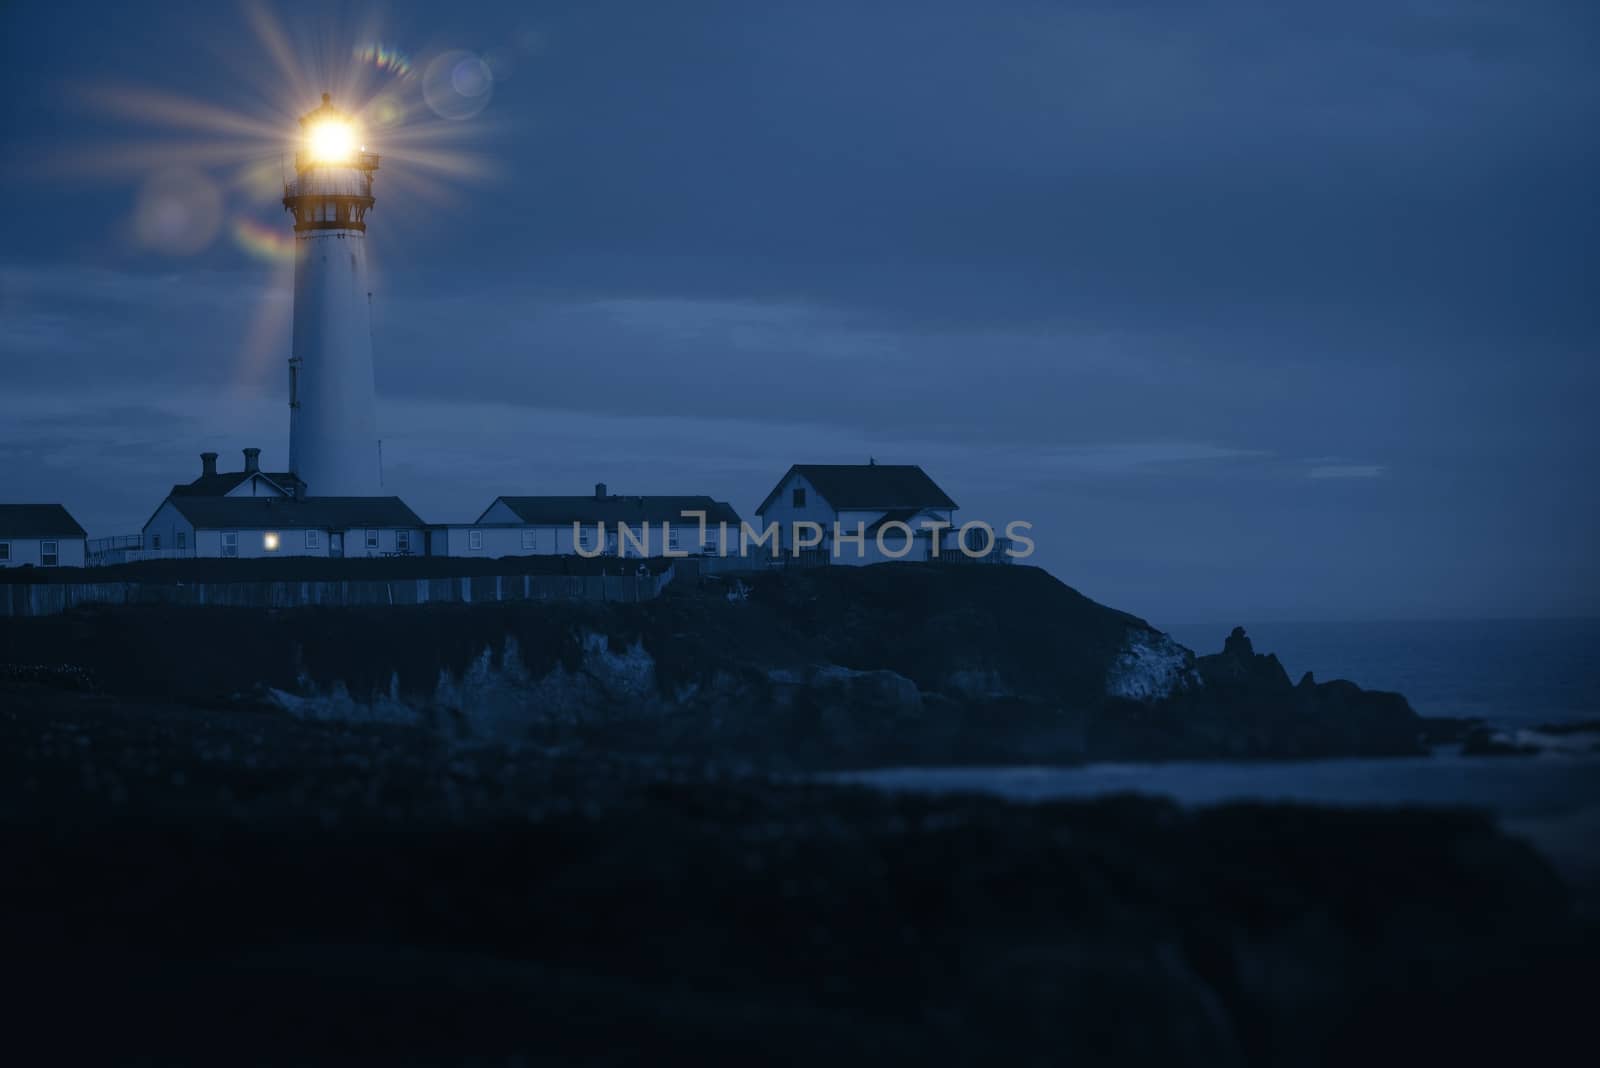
column 220, row 485
column 268, row 513
column 895, row 515
column 561, row 511
column 867, row 486
column 38, row 521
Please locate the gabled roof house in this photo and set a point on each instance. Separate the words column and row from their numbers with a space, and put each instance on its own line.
column 43, row 535
column 265, row 526
column 858, row 498
column 521, row 526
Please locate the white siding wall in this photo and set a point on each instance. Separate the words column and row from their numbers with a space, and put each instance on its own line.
column 252, row 543
column 25, row 551
column 355, row 541
column 783, row 512
column 894, row 540
column 497, row 541
column 817, row 510
column 162, row 531
column 712, row 546
column 849, row 523
column 292, row 542
column 658, row 539
column 71, row 551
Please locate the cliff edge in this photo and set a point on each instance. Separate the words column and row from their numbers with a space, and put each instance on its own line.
column 830, row 667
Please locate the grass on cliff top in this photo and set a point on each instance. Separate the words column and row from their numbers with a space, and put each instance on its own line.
column 946, row 628
column 314, row 569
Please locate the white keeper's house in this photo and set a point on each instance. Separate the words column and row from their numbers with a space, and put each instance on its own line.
column 41, row 535
column 867, row 498
column 609, row 524
column 253, row 527
column 254, row 513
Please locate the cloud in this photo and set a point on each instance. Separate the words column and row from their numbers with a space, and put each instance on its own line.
column 1155, row 276
column 1126, row 458
column 1346, row 471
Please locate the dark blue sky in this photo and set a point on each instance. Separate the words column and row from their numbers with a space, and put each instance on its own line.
column 1261, row 311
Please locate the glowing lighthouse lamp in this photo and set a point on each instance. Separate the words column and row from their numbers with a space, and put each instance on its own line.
column 333, row 420
column 331, row 140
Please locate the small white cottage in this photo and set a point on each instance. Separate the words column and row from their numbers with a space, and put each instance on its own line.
column 608, row 524
column 39, row 535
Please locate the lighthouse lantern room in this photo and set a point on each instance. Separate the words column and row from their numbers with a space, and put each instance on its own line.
column 333, row 422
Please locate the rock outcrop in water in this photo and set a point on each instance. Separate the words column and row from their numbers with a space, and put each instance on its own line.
column 1248, row 696
column 1240, row 669
column 833, row 667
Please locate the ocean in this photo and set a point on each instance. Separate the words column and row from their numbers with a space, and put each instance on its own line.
column 1512, row 673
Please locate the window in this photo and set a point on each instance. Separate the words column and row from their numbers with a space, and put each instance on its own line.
column 583, row 536
column 672, row 539
column 530, row 539
column 5, row 551
column 269, row 541
column 230, row 543
column 798, row 498
column 474, row 539
column 313, row 539
column 372, row 541
column 182, row 538
column 155, row 541
column 402, row 541
column 48, row 555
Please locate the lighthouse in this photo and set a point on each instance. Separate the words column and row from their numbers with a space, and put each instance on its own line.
column 333, row 419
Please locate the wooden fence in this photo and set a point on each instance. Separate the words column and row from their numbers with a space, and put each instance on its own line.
column 53, row 599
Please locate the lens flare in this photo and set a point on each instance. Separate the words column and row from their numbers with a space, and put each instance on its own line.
column 384, row 111
column 260, row 181
column 457, row 85
column 471, row 77
column 211, row 166
column 178, row 212
column 270, row 243
column 384, row 57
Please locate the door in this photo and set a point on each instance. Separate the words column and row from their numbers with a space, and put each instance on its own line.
column 336, row 543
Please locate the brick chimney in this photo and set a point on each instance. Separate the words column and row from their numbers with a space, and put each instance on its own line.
column 599, row 491
column 252, row 461
column 208, row 463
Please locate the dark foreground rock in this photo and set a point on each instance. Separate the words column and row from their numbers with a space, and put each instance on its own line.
column 186, row 885
column 830, row 668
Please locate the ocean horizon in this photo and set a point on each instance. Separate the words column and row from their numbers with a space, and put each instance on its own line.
column 1515, row 673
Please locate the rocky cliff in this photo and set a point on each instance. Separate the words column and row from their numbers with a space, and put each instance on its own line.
column 199, row 885
column 513, row 834
column 822, row 668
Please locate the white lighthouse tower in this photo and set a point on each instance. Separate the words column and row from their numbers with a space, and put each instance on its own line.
column 333, row 418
